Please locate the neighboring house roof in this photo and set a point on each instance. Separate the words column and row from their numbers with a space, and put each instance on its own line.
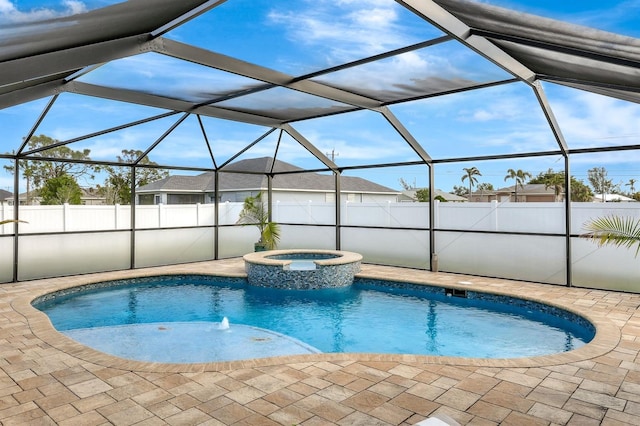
column 410, row 194
column 449, row 197
column 254, row 178
column 529, row 188
column 86, row 194
column 180, row 183
column 91, row 193
column 612, row 198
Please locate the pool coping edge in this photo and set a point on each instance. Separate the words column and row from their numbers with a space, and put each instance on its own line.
column 607, row 337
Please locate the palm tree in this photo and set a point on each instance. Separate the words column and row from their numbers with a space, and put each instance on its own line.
column 255, row 212
column 631, row 186
column 555, row 180
column 471, row 174
column 614, row 230
column 519, row 176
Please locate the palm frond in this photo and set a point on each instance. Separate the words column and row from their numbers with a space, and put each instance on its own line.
column 271, row 235
column 614, row 230
column 4, row 222
column 255, row 212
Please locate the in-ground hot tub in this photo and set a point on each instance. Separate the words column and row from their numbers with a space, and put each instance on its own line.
column 302, row 269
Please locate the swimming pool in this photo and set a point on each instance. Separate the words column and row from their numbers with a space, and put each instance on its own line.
column 371, row 316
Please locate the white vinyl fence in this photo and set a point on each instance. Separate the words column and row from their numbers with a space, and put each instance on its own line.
column 539, row 258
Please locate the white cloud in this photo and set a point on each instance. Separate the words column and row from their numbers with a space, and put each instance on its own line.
column 358, row 27
column 591, row 120
column 501, row 109
column 10, row 13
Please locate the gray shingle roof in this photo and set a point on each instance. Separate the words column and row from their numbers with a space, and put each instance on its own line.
column 411, row 194
column 181, row 183
column 244, row 181
column 536, row 188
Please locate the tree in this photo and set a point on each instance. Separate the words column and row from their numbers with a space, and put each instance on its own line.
column 579, row 191
column 519, row 176
column 631, row 186
column 118, row 185
column 422, row 195
column 485, row 186
column 552, row 179
column 60, row 190
column 460, row 191
column 471, row 173
column 600, row 183
column 406, row 185
column 555, row 181
column 37, row 173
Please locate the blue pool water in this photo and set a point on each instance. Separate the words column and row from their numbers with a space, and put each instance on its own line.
column 303, row 261
column 369, row 316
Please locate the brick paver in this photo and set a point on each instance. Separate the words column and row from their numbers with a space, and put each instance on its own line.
column 45, row 378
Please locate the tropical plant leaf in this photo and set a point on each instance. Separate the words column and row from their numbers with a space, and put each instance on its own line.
column 271, row 235
column 614, row 230
column 4, row 222
column 255, row 212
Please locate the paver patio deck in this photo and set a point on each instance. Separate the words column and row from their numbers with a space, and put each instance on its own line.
column 46, row 378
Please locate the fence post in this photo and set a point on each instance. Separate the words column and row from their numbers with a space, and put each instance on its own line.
column 388, row 212
column 346, row 212
column 160, row 212
column 65, row 217
column 198, row 214
column 494, row 214
column 3, row 216
column 436, row 213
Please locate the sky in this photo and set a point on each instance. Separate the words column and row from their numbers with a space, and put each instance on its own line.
column 307, row 35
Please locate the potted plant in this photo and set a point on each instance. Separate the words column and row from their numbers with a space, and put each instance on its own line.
column 255, row 212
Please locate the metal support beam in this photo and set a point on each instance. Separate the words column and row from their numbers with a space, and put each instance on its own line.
column 269, row 198
column 132, row 201
column 156, row 101
column 433, row 258
column 256, row 72
column 408, row 137
column 216, row 219
column 551, row 119
column 309, row 147
column 161, row 138
column 245, row 149
column 193, row 13
column 337, row 176
column 69, row 60
column 557, row 133
column 22, row 93
column 567, row 220
column 16, row 212
column 35, row 126
column 206, row 141
column 100, row 133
